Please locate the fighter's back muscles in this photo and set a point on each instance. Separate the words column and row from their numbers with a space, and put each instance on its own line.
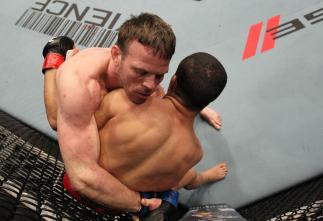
column 129, row 130
column 78, row 98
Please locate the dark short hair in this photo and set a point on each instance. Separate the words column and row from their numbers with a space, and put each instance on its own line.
column 200, row 79
column 150, row 30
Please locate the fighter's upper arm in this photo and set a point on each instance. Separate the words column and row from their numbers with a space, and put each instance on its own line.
column 76, row 127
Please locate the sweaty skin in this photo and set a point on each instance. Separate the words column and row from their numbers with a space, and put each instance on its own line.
column 152, row 146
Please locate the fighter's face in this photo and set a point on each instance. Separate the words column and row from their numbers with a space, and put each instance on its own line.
column 141, row 72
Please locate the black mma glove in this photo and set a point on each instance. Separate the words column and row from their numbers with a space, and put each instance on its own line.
column 55, row 50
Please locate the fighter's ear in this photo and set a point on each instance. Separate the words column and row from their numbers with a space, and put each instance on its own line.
column 173, row 82
column 116, row 54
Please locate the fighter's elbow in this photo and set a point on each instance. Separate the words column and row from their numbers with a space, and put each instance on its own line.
column 80, row 184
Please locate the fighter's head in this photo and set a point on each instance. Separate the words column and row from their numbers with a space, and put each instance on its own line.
column 149, row 30
column 199, row 79
column 142, row 54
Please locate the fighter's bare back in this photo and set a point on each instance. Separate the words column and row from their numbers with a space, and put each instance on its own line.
column 152, row 146
column 145, row 144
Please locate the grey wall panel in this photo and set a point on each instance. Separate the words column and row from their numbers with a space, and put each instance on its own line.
column 272, row 115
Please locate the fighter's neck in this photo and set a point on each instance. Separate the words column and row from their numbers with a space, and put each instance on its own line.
column 112, row 80
column 112, row 84
column 181, row 108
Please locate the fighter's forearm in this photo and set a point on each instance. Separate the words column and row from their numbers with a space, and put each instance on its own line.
column 105, row 189
column 212, row 117
column 50, row 97
column 54, row 54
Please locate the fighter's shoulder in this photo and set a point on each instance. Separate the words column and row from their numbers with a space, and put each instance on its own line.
column 93, row 54
column 116, row 94
column 95, row 50
column 89, row 62
column 116, row 100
